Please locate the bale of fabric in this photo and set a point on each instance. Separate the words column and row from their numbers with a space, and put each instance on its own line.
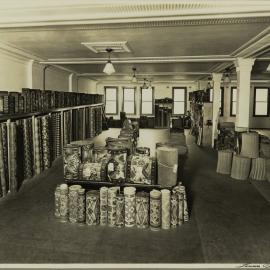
column 240, row 167
column 167, row 158
column 250, row 145
column 258, row 169
column 224, row 163
column 265, row 149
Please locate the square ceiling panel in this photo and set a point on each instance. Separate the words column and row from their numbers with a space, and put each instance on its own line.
column 101, row 47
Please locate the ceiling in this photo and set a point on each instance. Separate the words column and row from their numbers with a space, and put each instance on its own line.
column 179, row 40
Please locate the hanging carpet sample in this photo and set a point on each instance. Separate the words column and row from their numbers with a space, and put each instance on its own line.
column 46, row 142
column 13, row 178
column 28, row 148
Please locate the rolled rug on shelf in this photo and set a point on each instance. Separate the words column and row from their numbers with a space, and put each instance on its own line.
column 120, row 210
column 81, row 206
column 103, row 206
column 73, row 199
column 155, row 210
column 142, row 210
column 130, row 206
column 63, row 203
column 165, row 209
column 112, row 192
column 92, row 207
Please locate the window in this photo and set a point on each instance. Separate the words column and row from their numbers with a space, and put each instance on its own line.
column 179, row 100
column 129, row 100
column 233, row 101
column 111, row 100
column 221, row 101
column 261, row 104
column 147, row 98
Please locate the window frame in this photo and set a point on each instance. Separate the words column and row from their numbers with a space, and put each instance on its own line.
column 153, row 103
column 129, row 87
column 231, row 101
column 185, row 101
column 105, row 90
column 254, row 102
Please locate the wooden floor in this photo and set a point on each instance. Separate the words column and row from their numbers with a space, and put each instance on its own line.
column 229, row 221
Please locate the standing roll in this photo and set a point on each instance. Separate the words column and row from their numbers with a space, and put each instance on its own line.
column 103, row 205
column 73, row 198
column 165, row 209
column 63, row 203
column 130, row 206
column 92, row 207
column 142, row 210
column 45, row 142
column 112, row 206
column 120, row 210
column 57, row 201
column 72, row 159
column 81, row 205
column 155, row 209
column 174, row 210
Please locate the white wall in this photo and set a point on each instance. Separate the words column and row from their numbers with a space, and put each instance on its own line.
column 86, row 85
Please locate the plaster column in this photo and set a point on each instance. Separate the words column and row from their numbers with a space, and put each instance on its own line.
column 216, row 77
column 30, row 64
column 243, row 70
column 71, row 83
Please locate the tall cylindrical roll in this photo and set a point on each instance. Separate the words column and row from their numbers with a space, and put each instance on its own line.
column 130, row 206
column 174, row 210
column 142, row 210
column 155, row 209
column 120, row 210
column 165, row 209
column 103, row 205
column 112, row 206
column 81, row 205
column 63, row 203
column 73, row 197
column 57, row 201
column 92, row 207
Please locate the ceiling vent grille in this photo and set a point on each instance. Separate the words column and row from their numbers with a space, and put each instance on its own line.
column 100, row 47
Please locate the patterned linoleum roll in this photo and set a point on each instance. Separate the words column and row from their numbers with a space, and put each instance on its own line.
column 2, row 168
column 73, row 199
column 92, row 207
column 63, row 202
column 13, row 158
column 112, row 192
column 185, row 206
column 81, row 206
column 5, row 153
column 45, row 142
column 180, row 195
column 72, row 159
column 130, row 206
column 67, row 127
column 120, row 210
column 40, row 143
column 27, row 141
column 103, row 205
column 155, row 210
column 142, row 210
column 174, row 210
column 56, row 134
column 57, row 201
column 37, row 148
column 165, row 209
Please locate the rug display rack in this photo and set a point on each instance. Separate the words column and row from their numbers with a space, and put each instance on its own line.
column 29, row 143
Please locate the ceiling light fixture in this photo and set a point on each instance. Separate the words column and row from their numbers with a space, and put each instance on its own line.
column 209, row 86
column 109, row 68
column 144, row 86
column 134, row 78
column 227, row 77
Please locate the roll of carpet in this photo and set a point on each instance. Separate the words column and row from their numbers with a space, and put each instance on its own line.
column 174, row 210
column 28, row 154
column 72, row 159
column 224, row 163
column 167, row 159
column 2, row 167
column 182, row 207
column 67, row 127
column 258, row 169
column 240, row 167
column 165, row 209
column 120, row 210
column 99, row 153
column 13, row 177
column 63, row 203
column 57, row 201
column 92, row 207
column 130, row 206
column 103, row 206
column 37, row 147
column 112, row 192
column 142, row 210
column 46, row 142
column 5, row 153
column 81, row 205
column 155, row 210
column 250, row 145
column 73, row 197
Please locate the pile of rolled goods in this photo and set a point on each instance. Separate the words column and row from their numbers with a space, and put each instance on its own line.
column 159, row 209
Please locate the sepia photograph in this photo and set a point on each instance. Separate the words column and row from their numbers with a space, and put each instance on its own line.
column 134, row 134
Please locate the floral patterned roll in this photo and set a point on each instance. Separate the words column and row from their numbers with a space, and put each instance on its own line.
column 112, row 206
column 183, row 208
column 174, row 210
column 67, row 127
column 63, row 202
column 13, row 177
column 45, row 142
column 5, row 153
column 99, row 153
column 81, row 205
column 73, row 199
column 142, row 210
column 130, row 206
column 57, row 201
column 165, row 209
column 28, row 154
column 72, row 159
column 2, row 167
column 92, row 207
column 103, row 205
column 37, row 147
column 155, row 209
column 120, row 210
